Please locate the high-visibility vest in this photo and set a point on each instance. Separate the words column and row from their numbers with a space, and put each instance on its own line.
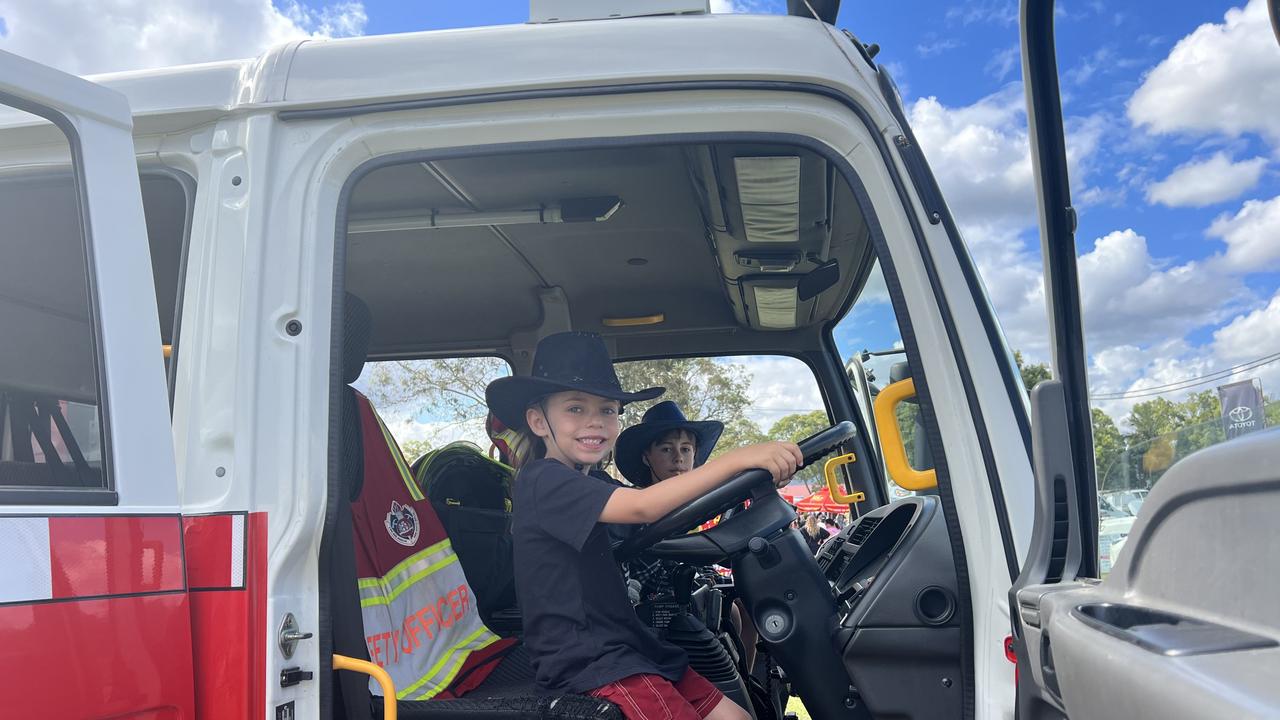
column 420, row 618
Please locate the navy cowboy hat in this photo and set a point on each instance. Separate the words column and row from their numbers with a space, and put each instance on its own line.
column 658, row 421
column 564, row 361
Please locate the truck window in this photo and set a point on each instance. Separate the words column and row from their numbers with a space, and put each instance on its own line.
column 167, row 197
column 870, row 345
column 757, row 397
column 51, row 429
column 430, row 403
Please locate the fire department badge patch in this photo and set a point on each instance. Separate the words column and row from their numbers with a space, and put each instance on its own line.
column 402, row 524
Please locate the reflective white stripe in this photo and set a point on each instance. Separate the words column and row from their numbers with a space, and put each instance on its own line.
column 237, row 551
column 26, row 574
column 404, row 575
column 423, row 636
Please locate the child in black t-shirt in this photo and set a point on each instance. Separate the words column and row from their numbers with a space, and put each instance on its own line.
column 579, row 625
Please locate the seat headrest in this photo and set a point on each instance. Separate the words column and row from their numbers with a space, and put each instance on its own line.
column 357, row 329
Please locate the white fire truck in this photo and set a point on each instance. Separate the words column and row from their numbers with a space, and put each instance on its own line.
column 197, row 542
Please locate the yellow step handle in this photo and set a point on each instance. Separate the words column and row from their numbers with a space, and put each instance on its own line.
column 342, row 662
column 833, row 486
column 895, row 450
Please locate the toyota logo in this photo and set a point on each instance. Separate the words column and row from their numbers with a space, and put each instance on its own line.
column 1241, row 414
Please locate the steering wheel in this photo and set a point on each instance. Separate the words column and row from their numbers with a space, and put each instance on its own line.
column 747, row 484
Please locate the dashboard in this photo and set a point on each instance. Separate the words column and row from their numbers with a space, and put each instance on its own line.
column 900, row 633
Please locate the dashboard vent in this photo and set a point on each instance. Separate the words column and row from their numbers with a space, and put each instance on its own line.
column 860, row 533
column 1061, row 531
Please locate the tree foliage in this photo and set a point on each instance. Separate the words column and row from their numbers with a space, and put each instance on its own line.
column 1031, row 374
column 795, row 428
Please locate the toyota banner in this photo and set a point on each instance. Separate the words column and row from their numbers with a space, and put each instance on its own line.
column 1241, row 408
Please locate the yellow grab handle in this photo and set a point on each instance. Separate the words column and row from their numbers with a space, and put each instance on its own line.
column 895, row 450
column 342, row 662
column 833, row 486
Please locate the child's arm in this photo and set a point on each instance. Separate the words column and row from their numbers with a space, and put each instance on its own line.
column 632, row 506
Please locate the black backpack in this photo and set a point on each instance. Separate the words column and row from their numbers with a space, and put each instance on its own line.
column 471, row 495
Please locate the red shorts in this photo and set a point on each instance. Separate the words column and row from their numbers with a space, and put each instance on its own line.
column 652, row 697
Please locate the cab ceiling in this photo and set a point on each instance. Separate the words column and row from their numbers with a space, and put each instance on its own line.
column 668, row 250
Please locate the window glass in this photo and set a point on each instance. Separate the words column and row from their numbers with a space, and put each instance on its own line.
column 1178, row 203
column 51, row 432
column 870, row 345
column 757, row 397
column 430, row 403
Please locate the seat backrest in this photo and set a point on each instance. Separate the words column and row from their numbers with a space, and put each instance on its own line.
column 471, row 495
column 417, row 615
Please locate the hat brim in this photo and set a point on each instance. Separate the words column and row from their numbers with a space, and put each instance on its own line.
column 509, row 397
column 636, row 439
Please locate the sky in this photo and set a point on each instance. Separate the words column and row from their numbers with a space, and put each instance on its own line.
column 1173, row 119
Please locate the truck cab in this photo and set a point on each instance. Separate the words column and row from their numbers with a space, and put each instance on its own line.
column 189, row 240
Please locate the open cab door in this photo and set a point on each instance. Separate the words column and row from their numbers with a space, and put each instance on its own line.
column 1185, row 625
column 94, row 616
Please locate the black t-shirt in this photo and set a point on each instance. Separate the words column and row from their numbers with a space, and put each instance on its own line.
column 578, row 623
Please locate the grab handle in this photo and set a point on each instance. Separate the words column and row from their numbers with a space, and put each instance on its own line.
column 895, row 450
column 342, row 662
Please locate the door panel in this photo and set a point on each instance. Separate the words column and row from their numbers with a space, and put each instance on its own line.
column 94, row 613
column 1185, row 625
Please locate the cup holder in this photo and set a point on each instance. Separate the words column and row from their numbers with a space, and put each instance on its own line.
column 935, row 605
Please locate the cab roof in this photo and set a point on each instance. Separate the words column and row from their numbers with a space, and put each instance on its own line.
column 485, row 60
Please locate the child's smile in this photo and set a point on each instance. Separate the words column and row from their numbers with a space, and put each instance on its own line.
column 579, row 429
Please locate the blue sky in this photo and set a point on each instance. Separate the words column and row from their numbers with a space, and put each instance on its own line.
column 1172, row 122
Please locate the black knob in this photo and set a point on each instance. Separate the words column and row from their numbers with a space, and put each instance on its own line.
column 757, row 545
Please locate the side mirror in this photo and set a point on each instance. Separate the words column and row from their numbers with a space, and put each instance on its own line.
column 818, row 279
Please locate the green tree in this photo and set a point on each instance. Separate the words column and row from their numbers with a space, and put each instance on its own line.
column 703, row 388
column 1108, row 452
column 451, row 391
column 1031, row 374
column 448, row 388
column 795, row 428
column 739, row 432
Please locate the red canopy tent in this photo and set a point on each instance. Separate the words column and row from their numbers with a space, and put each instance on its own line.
column 794, row 492
column 821, row 502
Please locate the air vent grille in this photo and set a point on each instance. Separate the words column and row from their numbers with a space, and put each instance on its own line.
column 860, row 533
column 1061, row 531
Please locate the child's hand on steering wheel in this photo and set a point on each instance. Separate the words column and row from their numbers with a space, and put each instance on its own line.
column 780, row 459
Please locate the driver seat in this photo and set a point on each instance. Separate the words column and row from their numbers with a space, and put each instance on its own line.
column 497, row 681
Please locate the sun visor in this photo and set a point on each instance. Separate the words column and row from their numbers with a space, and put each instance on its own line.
column 769, row 197
column 772, row 302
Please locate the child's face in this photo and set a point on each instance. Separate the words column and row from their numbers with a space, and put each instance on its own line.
column 671, row 455
column 578, row 429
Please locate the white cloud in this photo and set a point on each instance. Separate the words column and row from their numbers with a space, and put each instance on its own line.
column 405, row 428
column 1004, row 62
column 1129, row 297
column 980, row 156
column 1128, row 368
column 1252, row 236
column 117, row 35
column 937, row 47
column 1222, row 78
column 1204, row 182
column 1249, row 336
column 998, row 12
column 731, row 6
column 779, row 386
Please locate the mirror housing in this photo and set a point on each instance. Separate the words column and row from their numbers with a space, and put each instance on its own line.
column 818, row 279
